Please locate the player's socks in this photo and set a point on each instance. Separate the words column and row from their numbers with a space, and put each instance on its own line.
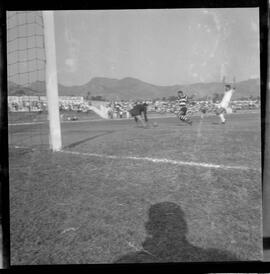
column 143, row 123
column 222, row 118
column 183, row 118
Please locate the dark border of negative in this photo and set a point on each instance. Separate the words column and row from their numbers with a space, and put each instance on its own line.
column 146, row 4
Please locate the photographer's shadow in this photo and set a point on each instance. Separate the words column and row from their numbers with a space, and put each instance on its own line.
column 166, row 240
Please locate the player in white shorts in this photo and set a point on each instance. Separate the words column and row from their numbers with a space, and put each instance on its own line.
column 223, row 106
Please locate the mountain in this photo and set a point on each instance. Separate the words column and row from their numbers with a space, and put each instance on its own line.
column 131, row 88
column 127, row 88
column 37, row 88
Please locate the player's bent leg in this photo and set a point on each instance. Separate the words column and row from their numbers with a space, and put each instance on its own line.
column 220, row 112
column 188, row 115
column 185, row 116
column 185, row 119
column 222, row 118
column 181, row 115
column 141, row 120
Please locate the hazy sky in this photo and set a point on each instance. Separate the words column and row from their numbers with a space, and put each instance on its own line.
column 163, row 47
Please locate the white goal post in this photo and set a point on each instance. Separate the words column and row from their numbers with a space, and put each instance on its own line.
column 51, row 82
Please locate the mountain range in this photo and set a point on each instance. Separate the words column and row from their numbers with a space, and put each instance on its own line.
column 131, row 88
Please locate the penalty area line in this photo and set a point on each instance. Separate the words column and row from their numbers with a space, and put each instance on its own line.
column 161, row 160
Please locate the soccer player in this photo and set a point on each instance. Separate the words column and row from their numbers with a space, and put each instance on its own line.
column 203, row 110
column 223, row 106
column 118, row 109
column 182, row 101
column 137, row 111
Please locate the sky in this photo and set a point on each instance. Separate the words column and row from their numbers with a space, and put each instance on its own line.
column 161, row 47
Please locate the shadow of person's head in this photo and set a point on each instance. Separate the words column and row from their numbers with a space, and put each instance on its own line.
column 167, row 241
column 166, row 220
column 167, row 231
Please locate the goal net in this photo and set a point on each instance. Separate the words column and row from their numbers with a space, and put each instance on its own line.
column 27, row 58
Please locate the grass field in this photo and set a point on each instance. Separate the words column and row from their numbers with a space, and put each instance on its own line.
column 90, row 202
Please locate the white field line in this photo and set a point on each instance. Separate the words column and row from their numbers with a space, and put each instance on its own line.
column 162, row 160
column 30, row 123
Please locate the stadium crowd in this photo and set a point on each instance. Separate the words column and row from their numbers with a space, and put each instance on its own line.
column 120, row 109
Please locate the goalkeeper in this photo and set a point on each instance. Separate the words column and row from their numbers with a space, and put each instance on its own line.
column 137, row 111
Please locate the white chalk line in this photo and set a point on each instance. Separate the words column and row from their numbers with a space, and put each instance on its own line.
column 161, row 160
column 30, row 123
column 154, row 160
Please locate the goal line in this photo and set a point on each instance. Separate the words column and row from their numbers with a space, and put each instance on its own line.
column 162, row 160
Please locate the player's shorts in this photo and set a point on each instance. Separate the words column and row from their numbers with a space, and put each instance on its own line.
column 220, row 111
column 183, row 111
column 203, row 110
column 134, row 112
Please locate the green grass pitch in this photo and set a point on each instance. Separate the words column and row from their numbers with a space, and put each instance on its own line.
column 90, row 204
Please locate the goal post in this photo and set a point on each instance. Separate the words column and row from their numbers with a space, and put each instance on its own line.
column 55, row 138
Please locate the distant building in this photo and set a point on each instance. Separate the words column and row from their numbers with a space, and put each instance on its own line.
column 71, row 100
column 62, row 99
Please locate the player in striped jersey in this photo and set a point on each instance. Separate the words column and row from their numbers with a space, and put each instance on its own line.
column 182, row 101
